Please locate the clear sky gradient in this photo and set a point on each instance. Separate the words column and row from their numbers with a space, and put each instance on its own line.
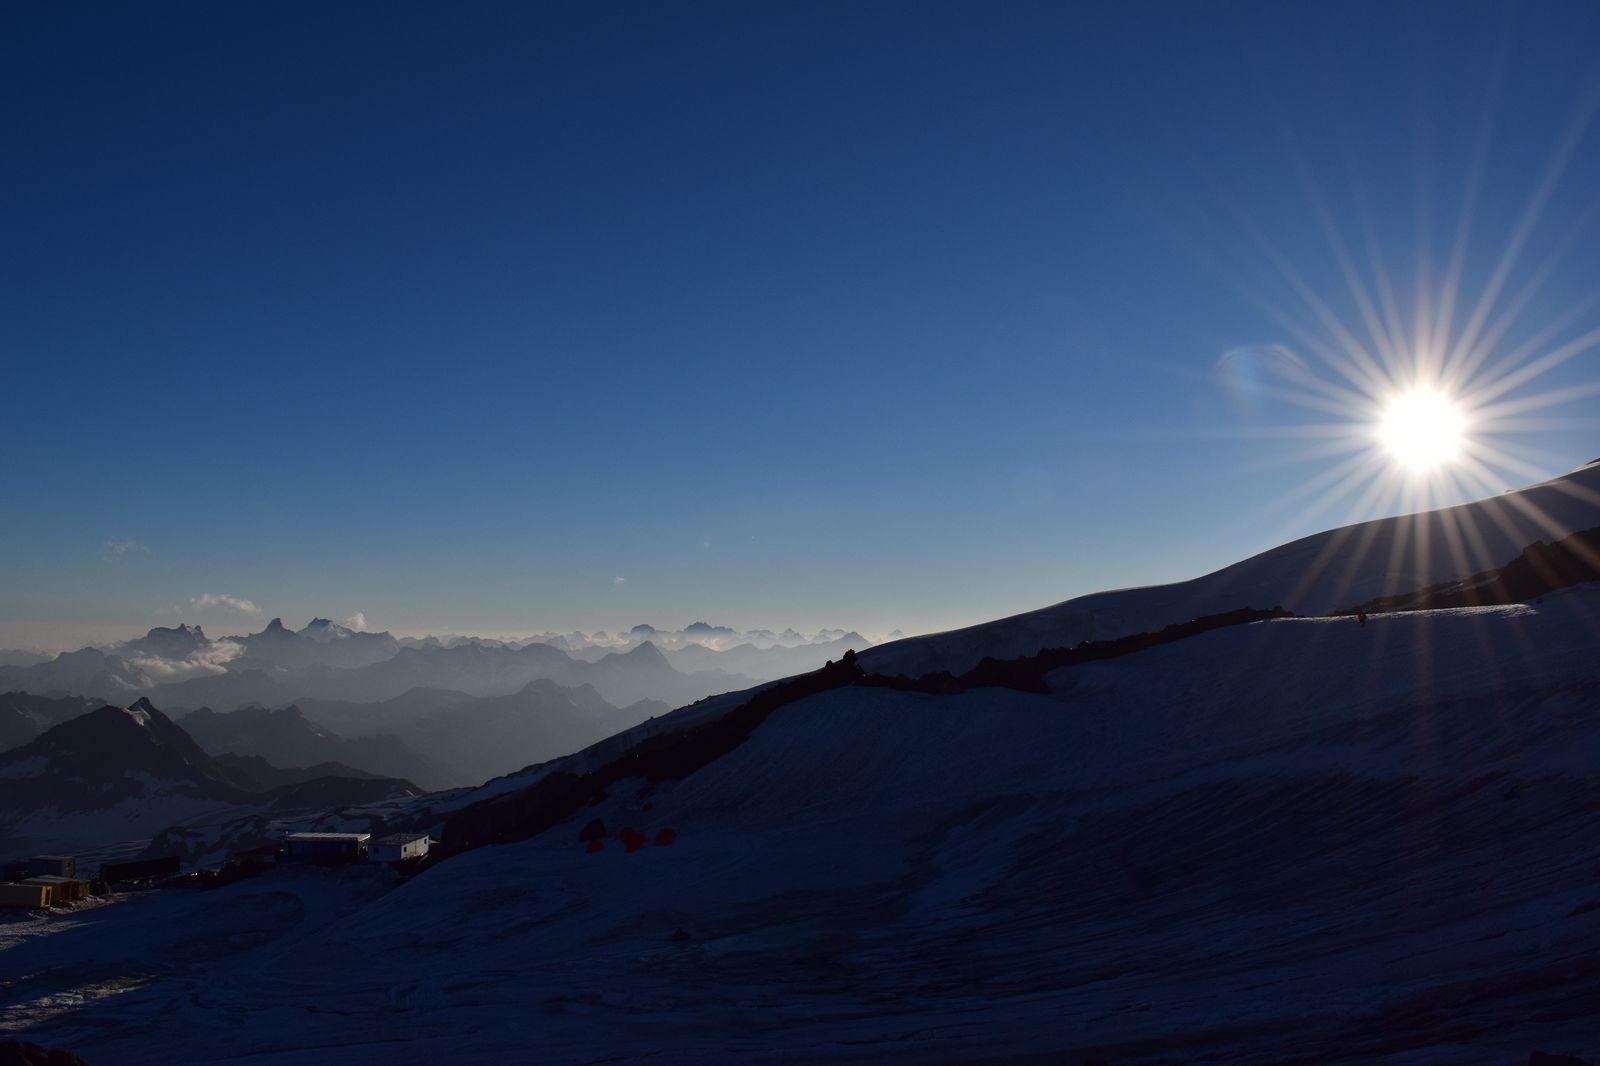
column 505, row 317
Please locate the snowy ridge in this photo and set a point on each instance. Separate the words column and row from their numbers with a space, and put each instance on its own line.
column 1314, row 575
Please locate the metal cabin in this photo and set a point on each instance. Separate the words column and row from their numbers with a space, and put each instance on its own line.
column 25, row 897
column 63, row 890
column 327, row 847
column 52, row 866
column 399, row 847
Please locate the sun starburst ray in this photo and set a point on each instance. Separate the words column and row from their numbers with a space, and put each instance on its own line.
column 1555, row 168
column 1518, row 355
column 1380, row 273
column 1465, row 361
column 1388, row 353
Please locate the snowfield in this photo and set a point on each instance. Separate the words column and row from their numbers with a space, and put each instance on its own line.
column 1297, row 841
column 1314, row 575
column 107, row 829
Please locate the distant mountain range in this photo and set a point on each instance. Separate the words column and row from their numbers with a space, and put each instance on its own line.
column 267, row 776
column 24, row 716
column 181, row 667
column 14, row 657
column 286, row 738
column 320, row 643
column 436, row 737
column 765, row 663
column 590, row 646
column 475, row 669
column 441, row 712
column 477, row 738
column 122, row 772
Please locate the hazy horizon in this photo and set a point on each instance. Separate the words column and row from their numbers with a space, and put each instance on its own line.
column 113, row 635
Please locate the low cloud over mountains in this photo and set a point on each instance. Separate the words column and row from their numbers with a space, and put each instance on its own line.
column 439, row 709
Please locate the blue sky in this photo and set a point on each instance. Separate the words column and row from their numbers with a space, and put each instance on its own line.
column 862, row 315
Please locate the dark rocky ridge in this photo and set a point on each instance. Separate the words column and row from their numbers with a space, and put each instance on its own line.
column 1541, row 568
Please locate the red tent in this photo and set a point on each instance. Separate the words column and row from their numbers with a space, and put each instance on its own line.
column 594, row 846
column 632, row 839
column 665, row 837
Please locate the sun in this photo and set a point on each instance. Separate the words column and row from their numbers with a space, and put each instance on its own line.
column 1423, row 429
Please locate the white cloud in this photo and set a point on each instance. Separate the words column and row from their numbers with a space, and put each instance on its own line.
column 202, row 662
column 215, row 599
column 619, row 581
column 117, row 549
column 357, row 622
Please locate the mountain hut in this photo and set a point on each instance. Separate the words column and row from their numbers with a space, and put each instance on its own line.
column 63, row 890
column 399, row 847
column 326, row 847
column 25, row 897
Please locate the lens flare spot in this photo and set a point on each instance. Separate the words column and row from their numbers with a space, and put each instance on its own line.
column 1423, row 429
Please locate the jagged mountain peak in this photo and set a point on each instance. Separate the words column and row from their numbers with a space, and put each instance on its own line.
column 325, row 629
column 141, row 710
column 646, row 652
column 115, row 744
column 173, row 642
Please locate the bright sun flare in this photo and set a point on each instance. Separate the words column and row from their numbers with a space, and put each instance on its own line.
column 1422, row 429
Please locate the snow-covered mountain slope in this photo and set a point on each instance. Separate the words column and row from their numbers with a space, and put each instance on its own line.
column 1303, row 840
column 1339, row 568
